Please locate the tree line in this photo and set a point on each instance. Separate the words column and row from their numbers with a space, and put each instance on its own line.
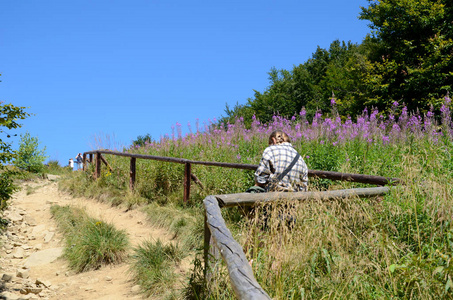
column 406, row 58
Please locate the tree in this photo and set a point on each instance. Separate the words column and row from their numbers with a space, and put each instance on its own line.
column 142, row 140
column 9, row 115
column 29, row 157
column 414, row 60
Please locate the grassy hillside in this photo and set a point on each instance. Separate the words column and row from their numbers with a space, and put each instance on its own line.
column 396, row 246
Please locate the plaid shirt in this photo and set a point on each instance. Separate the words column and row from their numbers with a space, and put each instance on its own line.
column 275, row 159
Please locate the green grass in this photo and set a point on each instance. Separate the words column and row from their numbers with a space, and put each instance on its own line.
column 89, row 243
column 153, row 268
column 399, row 246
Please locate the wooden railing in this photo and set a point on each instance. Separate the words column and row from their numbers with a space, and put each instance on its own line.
column 97, row 157
column 216, row 234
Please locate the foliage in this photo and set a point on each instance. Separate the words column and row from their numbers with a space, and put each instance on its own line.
column 54, row 167
column 90, row 243
column 142, row 140
column 9, row 115
column 29, row 157
column 407, row 58
column 339, row 70
column 413, row 60
column 7, row 188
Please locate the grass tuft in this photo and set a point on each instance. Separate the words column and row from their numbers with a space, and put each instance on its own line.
column 90, row 243
column 153, row 267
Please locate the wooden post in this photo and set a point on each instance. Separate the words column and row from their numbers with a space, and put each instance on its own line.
column 187, row 182
column 97, row 172
column 132, row 173
column 84, row 162
column 106, row 163
column 90, row 158
column 207, row 240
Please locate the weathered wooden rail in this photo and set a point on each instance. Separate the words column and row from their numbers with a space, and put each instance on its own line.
column 98, row 158
column 217, row 234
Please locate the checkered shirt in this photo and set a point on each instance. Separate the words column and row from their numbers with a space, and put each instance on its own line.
column 275, row 159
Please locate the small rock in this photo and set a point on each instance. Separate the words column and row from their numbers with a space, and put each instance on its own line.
column 33, row 290
column 108, row 278
column 135, row 289
column 15, row 217
column 26, row 247
column 22, row 273
column 7, row 277
column 45, row 283
column 48, row 237
column 21, row 212
column 18, row 252
column 38, row 229
column 38, row 246
column 9, row 296
column 30, row 221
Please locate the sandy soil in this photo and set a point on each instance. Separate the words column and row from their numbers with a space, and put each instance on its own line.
column 111, row 282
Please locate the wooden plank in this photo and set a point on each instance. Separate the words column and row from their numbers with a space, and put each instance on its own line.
column 106, row 163
column 132, row 173
column 196, row 180
column 248, row 199
column 242, row 280
column 187, row 169
column 370, row 179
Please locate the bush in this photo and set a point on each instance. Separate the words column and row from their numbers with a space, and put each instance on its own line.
column 7, row 188
column 29, row 157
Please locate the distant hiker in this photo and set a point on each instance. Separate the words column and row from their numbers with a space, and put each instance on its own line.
column 71, row 164
column 79, row 161
column 281, row 167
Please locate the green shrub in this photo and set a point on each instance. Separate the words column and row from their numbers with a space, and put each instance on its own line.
column 90, row 243
column 29, row 157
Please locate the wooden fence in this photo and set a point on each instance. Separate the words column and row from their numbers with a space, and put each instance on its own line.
column 97, row 157
column 216, row 234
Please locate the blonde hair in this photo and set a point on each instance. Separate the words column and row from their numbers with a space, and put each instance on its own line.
column 279, row 136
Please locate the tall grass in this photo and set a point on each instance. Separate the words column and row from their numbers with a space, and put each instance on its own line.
column 153, row 268
column 396, row 246
column 90, row 243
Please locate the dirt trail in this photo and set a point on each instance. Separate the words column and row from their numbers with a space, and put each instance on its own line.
column 33, row 232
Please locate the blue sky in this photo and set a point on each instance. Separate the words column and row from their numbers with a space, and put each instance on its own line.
column 101, row 73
